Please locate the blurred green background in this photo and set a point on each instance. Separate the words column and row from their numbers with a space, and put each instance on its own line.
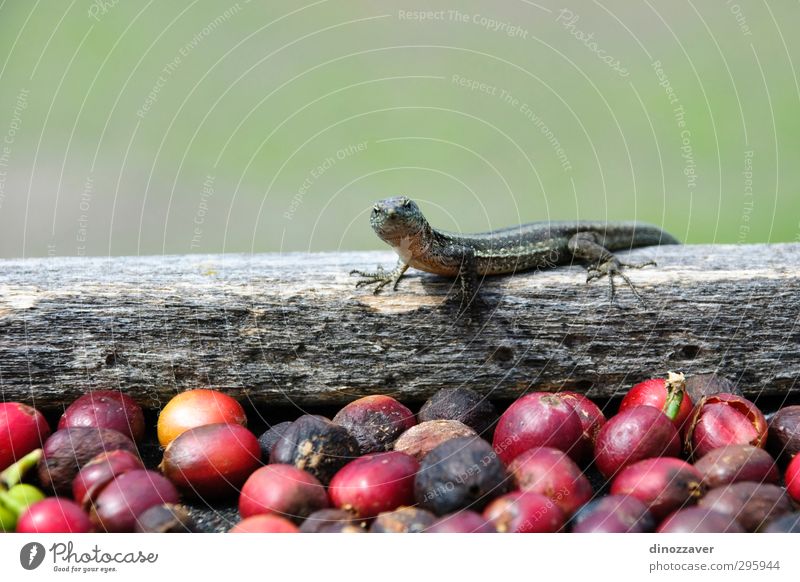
column 193, row 127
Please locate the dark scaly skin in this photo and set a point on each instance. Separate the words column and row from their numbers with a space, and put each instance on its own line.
column 538, row 245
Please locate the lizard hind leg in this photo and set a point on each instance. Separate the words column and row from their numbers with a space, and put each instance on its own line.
column 603, row 263
column 381, row 278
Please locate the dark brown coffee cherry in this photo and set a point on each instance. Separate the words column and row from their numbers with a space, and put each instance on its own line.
column 462, row 473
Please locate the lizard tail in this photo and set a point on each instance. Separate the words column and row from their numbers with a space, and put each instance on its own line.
column 651, row 235
column 637, row 234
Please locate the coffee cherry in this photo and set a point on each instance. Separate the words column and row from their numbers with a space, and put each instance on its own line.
column 638, row 433
column 524, row 512
column 332, row 520
column 421, row 439
column 54, row 515
column 264, row 523
column 753, row 505
column 68, row 450
column 464, row 521
column 403, row 520
column 197, row 408
column 465, row 406
column 99, row 472
column 375, row 483
column 655, row 392
column 282, row 490
column 786, row 523
column 784, row 432
column 553, row 474
column 734, row 463
column 613, row 514
column 119, row 504
column 591, row 417
column 462, row 473
column 699, row 385
column 793, row 479
column 106, row 409
column 375, row 422
column 165, row 518
column 724, row 419
column 271, row 436
column 211, row 461
column 699, row 520
column 22, row 430
column 316, row 445
column 539, row 419
column 664, row 484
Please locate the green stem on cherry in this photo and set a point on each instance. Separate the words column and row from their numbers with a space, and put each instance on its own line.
column 676, row 388
column 14, row 473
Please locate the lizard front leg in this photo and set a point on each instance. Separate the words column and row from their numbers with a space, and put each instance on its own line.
column 467, row 277
column 381, row 277
column 602, row 262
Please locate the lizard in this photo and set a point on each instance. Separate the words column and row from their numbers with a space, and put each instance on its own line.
column 399, row 222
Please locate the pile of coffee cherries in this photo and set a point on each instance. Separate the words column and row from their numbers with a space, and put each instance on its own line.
column 90, row 464
column 679, row 455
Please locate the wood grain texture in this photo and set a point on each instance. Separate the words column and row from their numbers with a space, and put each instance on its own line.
column 293, row 329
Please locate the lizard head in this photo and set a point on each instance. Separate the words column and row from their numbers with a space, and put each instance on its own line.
column 395, row 218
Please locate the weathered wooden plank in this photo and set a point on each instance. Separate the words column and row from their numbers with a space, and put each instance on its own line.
column 292, row 328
